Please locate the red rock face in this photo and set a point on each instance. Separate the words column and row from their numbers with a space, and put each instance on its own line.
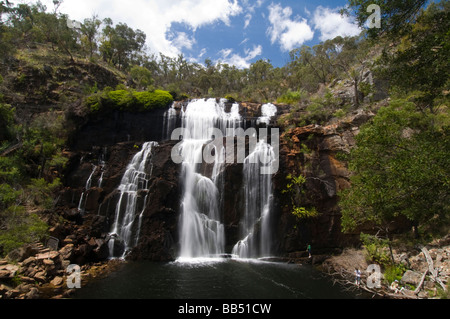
column 311, row 151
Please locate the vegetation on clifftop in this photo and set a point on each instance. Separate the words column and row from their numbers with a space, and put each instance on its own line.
column 128, row 100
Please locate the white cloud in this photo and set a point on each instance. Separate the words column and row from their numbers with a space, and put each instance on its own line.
column 225, row 53
column 248, row 18
column 331, row 24
column 288, row 32
column 244, row 41
column 202, row 53
column 182, row 40
column 251, row 54
column 251, row 5
column 242, row 62
column 155, row 17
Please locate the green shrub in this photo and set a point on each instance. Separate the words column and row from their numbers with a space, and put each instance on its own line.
column 6, row 121
column 304, row 213
column 294, row 188
column 376, row 249
column 8, row 195
column 339, row 113
column 292, row 97
column 10, row 169
column 152, row 100
column 42, row 193
column 19, row 228
column 128, row 100
column 394, row 272
column 121, row 99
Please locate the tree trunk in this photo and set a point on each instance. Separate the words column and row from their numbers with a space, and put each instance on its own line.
column 356, row 92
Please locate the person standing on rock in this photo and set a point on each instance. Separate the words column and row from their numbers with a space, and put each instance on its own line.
column 358, row 277
column 309, row 250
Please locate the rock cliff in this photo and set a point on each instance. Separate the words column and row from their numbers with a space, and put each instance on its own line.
column 106, row 156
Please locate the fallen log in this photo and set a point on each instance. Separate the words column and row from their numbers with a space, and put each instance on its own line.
column 433, row 271
column 419, row 287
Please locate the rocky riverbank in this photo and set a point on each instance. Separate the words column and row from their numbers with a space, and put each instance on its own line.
column 36, row 272
column 425, row 271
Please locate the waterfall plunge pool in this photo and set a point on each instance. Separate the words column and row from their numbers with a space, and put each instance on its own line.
column 214, row 278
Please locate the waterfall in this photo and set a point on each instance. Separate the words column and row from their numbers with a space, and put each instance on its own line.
column 87, row 187
column 201, row 223
column 201, row 229
column 134, row 183
column 170, row 121
column 255, row 224
column 102, row 167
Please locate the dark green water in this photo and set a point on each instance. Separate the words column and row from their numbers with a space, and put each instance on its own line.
column 224, row 279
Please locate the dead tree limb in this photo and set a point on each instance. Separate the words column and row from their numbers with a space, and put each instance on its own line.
column 419, row 287
column 433, row 271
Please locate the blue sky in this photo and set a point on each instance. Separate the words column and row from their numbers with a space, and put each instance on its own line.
column 238, row 32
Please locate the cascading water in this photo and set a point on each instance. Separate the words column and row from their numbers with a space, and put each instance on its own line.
column 83, row 198
column 134, row 184
column 201, row 229
column 255, row 225
column 170, row 121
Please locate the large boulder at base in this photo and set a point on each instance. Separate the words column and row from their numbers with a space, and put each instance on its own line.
column 412, row 278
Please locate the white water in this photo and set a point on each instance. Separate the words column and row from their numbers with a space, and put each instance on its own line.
column 201, row 228
column 255, row 225
column 83, row 198
column 130, row 205
column 170, row 121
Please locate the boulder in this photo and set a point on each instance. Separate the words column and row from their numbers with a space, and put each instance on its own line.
column 41, row 277
column 33, row 294
column 411, row 277
column 57, row 281
column 3, row 289
column 22, row 253
column 28, row 262
column 67, row 252
column 49, row 255
column 8, row 271
column 11, row 294
column 5, row 274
